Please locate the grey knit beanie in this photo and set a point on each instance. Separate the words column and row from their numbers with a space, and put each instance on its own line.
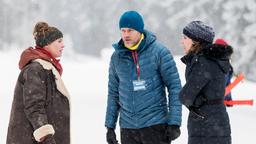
column 198, row 31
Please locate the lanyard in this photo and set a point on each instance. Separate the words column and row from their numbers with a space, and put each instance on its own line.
column 136, row 62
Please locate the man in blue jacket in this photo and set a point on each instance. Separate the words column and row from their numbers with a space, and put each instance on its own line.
column 141, row 69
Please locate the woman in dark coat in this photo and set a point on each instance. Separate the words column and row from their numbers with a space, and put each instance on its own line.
column 203, row 92
column 40, row 110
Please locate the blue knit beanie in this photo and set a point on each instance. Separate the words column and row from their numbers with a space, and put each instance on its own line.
column 198, row 31
column 133, row 20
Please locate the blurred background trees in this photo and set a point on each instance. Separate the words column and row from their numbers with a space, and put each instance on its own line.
column 91, row 25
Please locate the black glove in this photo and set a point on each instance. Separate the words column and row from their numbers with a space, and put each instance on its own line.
column 49, row 139
column 199, row 101
column 172, row 132
column 196, row 111
column 111, row 136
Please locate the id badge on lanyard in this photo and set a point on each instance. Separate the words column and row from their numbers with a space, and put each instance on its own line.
column 138, row 84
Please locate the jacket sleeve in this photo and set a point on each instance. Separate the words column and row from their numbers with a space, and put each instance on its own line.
column 113, row 97
column 196, row 81
column 171, row 79
column 34, row 100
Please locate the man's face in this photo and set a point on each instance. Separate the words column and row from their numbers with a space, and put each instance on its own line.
column 130, row 36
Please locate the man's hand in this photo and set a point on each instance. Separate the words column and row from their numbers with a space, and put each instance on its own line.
column 172, row 132
column 111, row 136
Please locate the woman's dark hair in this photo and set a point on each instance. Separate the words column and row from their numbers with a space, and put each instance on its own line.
column 196, row 47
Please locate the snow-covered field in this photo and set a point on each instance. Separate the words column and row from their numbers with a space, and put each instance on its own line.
column 86, row 79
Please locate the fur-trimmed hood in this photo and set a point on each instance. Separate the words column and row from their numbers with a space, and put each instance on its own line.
column 220, row 53
column 217, row 51
column 31, row 54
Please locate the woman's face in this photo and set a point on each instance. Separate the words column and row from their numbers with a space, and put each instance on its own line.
column 55, row 48
column 187, row 43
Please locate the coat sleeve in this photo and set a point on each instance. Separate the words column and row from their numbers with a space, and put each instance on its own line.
column 34, row 100
column 113, row 97
column 171, row 79
column 196, row 81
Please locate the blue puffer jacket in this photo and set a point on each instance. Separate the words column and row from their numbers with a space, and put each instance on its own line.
column 148, row 107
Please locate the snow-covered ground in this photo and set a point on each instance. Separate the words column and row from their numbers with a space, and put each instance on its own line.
column 86, row 79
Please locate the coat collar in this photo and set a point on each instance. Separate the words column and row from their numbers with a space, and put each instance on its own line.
column 189, row 58
column 59, row 83
column 31, row 54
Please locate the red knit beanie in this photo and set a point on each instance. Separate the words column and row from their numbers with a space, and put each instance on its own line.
column 221, row 42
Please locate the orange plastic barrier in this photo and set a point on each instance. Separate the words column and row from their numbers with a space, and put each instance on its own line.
column 239, row 78
column 239, row 102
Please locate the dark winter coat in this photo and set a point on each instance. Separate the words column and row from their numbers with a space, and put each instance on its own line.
column 203, row 94
column 148, row 107
column 40, row 105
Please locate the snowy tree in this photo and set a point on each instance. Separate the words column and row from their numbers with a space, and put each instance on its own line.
column 92, row 25
column 240, row 31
